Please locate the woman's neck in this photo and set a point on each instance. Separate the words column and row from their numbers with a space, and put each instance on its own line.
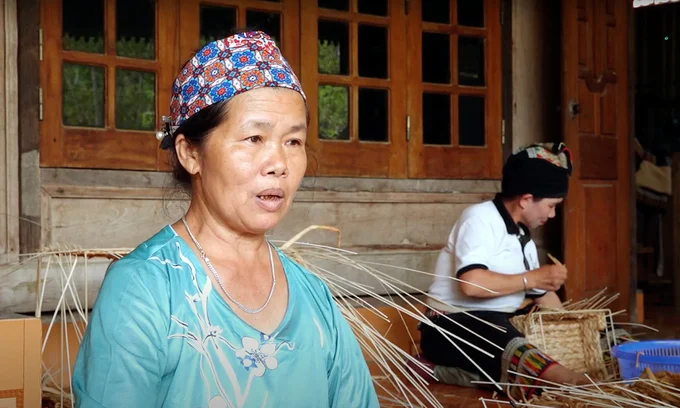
column 514, row 210
column 219, row 240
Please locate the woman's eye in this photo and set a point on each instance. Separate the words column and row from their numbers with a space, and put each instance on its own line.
column 295, row 142
column 254, row 139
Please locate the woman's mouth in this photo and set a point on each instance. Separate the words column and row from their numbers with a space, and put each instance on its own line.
column 270, row 199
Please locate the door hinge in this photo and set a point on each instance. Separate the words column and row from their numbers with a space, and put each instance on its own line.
column 40, row 43
column 40, row 103
column 502, row 16
column 503, row 132
column 408, row 128
column 406, row 4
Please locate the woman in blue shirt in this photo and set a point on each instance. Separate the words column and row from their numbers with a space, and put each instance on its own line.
column 207, row 313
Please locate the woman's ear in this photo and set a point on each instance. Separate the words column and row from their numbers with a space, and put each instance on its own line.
column 187, row 155
column 525, row 200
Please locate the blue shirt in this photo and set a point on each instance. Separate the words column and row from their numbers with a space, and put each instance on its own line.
column 159, row 336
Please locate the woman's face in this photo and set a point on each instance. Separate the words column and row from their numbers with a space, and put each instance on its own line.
column 251, row 165
column 538, row 211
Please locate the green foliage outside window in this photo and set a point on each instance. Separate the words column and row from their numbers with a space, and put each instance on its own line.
column 83, row 87
column 333, row 100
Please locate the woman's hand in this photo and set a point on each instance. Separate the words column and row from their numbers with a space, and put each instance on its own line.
column 547, row 277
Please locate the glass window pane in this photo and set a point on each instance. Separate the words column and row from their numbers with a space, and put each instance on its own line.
column 333, row 47
column 333, row 112
column 83, row 95
column 215, row 23
column 374, row 7
column 436, row 119
column 372, row 51
column 334, row 4
column 136, row 28
column 471, row 61
column 83, row 25
column 471, row 13
column 269, row 22
column 436, row 58
column 471, row 120
column 373, row 115
column 436, row 11
column 135, row 100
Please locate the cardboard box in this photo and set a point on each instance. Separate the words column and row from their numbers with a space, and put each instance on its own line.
column 20, row 371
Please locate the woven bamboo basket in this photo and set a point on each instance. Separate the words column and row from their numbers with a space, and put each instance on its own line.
column 571, row 338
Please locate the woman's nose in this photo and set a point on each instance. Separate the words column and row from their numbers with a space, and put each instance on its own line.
column 276, row 163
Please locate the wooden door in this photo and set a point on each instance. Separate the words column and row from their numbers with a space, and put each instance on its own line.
column 596, row 129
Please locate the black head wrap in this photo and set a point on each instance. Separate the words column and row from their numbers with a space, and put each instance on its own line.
column 541, row 170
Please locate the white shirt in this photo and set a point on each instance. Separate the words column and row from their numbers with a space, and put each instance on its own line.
column 484, row 237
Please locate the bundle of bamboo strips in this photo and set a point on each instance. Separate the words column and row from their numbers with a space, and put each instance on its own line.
column 57, row 266
column 393, row 361
column 651, row 390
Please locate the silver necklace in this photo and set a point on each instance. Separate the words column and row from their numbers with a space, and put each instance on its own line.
column 219, row 281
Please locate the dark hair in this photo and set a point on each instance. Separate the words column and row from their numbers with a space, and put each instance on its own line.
column 196, row 130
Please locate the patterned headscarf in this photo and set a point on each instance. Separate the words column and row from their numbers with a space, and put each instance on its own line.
column 542, row 169
column 223, row 69
column 557, row 154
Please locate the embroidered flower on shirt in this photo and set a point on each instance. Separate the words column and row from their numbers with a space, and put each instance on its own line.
column 208, row 339
column 217, row 402
column 257, row 356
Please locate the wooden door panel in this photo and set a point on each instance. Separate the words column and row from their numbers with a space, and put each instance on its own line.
column 598, row 159
column 596, row 220
column 599, row 202
column 608, row 113
column 585, row 50
column 586, row 117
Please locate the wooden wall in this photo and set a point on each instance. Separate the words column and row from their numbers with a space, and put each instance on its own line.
column 400, row 222
column 9, row 139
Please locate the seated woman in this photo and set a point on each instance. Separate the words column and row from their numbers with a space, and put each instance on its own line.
column 490, row 247
column 208, row 313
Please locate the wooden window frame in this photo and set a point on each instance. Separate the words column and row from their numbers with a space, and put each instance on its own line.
column 189, row 23
column 355, row 158
column 107, row 147
column 177, row 37
column 456, row 161
column 405, row 155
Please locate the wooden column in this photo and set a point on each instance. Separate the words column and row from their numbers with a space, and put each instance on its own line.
column 9, row 137
column 676, row 229
column 28, row 15
column 636, row 309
